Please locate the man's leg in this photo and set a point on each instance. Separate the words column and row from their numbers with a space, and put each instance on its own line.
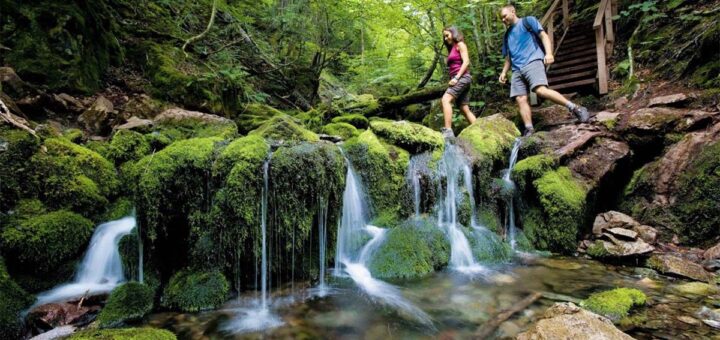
column 468, row 114
column 519, row 91
column 446, row 101
column 537, row 79
column 525, row 112
column 551, row 94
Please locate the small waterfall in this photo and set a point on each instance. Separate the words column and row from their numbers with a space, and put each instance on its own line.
column 353, row 258
column 101, row 268
column 322, row 236
column 417, row 168
column 511, row 229
column 452, row 162
column 263, row 226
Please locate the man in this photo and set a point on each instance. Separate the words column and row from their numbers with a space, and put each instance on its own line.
column 522, row 50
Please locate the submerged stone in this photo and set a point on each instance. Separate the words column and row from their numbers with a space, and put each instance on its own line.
column 695, row 288
column 674, row 265
column 568, row 321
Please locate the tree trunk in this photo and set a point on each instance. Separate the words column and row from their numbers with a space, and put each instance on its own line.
column 430, row 71
column 386, row 104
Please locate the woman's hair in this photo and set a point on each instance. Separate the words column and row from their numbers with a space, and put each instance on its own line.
column 456, row 35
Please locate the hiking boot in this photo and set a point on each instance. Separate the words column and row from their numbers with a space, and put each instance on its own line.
column 581, row 113
column 447, row 133
column 528, row 131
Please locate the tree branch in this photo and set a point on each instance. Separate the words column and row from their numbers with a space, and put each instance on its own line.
column 203, row 33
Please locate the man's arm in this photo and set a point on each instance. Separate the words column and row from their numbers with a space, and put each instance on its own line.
column 506, row 68
column 549, row 58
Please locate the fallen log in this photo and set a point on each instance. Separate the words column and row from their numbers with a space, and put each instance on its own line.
column 384, row 104
column 489, row 327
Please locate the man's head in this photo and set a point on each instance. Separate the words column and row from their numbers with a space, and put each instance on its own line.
column 508, row 15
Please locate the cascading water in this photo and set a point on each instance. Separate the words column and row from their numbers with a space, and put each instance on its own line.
column 322, row 236
column 417, row 168
column 101, row 269
column 259, row 318
column 511, row 229
column 353, row 258
column 452, row 162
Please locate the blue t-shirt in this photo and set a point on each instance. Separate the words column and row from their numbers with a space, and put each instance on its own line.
column 523, row 48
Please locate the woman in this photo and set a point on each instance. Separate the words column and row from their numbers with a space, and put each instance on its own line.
column 458, row 63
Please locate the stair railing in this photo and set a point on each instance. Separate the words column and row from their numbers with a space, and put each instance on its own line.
column 604, row 40
column 549, row 22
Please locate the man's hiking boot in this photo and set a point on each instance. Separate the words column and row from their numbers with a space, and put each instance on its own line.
column 581, row 113
column 447, row 133
column 528, row 131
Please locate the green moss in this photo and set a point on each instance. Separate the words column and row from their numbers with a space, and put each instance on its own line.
column 123, row 334
column 597, row 250
column 73, row 135
column 41, row 244
column 127, row 303
column 562, row 202
column 194, row 127
column 253, row 116
column 285, row 128
column 127, row 145
column 412, row 137
column 411, row 250
column 610, row 124
column 13, row 300
column 487, row 246
column 344, row 130
column 19, row 146
column 73, row 177
column 529, row 169
column 489, row 219
column 357, row 120
column 615, row 304
column 382, row 169
column 122, row 207
column 490, row 138
column 195, row 291
column 313, row 120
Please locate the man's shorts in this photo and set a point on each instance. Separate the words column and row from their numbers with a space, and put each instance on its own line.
column 461, row 90
column 530, row 76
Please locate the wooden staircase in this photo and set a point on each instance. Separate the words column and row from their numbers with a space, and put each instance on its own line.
column 580, row 48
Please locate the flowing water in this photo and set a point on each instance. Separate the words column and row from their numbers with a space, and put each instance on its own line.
column 511, row 230
column 417, row 169
column 101, row 269
column 322, row 236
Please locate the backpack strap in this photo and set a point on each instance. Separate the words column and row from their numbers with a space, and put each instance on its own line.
column 535, row 36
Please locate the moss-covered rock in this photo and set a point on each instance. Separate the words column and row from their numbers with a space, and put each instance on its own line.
column 17, row 147
column 357, row 120
column 532, row 168
column 13, row 300
column 412, row 137
column 127, row 303
column 127, row 145
column 180, row 124
column 285, row 128
column 414, row 249
column 487, row 247
column 490, row 138
column 190, row 291
column 556, row 222
column 344, row 130
column 73, row 135
column 253, row 116
column 70, row 176
column 41, row 244
column 382, row 168
column 615, row 304
column 124, row 334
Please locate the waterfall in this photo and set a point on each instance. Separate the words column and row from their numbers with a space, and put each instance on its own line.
column 353, row 258
column 322, row 236
column 101, row 269
column 417, row 168
column 511, row 229
column 452, row 162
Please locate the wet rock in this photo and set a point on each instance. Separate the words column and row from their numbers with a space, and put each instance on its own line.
column 568, row 321
column 659, row 120
column 66, row 103
column 56, row 333
column 53, row 315
column 646, row 233
column 560, row 264
column 695, row 288
column 619, row 248
column 566, row 140
column 620, row 102
column 136, row 124
column 553, row 115
column 711, row 265
column 678, row 99
column 605, row 116
column 689, row 320
column 649, row 283
column 600, row 159
column 674, row 265
column 612, row 220
column 626, row 233
column 178, row 115
column 709, row 317
column 712, row 252
column 97, row 119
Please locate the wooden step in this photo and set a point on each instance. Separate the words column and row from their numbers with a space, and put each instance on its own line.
column 573, row 84
column 576, row 61
column 579, row 37
column 575, row 55
column 555, row 71
column 577, row 75
column 570, row 48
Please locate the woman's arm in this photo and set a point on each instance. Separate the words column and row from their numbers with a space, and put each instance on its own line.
column 465, row 58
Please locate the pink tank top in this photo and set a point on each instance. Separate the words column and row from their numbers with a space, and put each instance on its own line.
column 454, row 61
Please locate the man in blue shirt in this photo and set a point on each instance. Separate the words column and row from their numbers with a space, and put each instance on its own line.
column 522, row 50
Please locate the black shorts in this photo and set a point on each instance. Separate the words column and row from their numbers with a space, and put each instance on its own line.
column 461, row 90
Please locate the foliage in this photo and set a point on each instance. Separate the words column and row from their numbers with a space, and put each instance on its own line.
column 13, row 300
column 14, row 160
column 190, row 291
column 129, row 302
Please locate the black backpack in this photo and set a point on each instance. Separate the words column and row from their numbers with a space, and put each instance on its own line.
column 535, row 36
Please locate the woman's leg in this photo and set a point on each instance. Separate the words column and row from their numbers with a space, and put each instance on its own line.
column 446, row 101
column 468, row 114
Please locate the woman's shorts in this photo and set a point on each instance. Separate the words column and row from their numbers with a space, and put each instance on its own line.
column 461, row 90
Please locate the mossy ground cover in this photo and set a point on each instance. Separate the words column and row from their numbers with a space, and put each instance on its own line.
column 124, row 334
column 13, row 300
column 615, row 304
column 191, row 291
column 344, row 130
column 127, row 303
column 19, row 146
column 412, row 137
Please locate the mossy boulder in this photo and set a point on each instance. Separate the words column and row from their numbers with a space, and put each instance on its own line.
column 529, row 169
column 487, row 246
column 124, row 334
column 190, row 291
column 615, row 304
column 70, row 176
column 412, row 137
column 179, row 124
column 382, row 169
column 40, row 245
column 357, row 120
column 285, row 128
column 490, row 138
column 16, row 149
column 253, row 116
column 127, row 145
column 127, row 303
column 411, row 250
column 556, row 221
column 13, row 300
column 343, row 130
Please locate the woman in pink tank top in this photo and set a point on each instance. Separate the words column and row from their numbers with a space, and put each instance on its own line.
column 458, row 91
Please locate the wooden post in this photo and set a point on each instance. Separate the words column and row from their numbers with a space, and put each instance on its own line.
column 609, row 33
column 614, row 7
column 566, row 14
column 551, row 32
column 602, row 67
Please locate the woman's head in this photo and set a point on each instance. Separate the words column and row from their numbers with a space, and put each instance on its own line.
column 452, row 36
